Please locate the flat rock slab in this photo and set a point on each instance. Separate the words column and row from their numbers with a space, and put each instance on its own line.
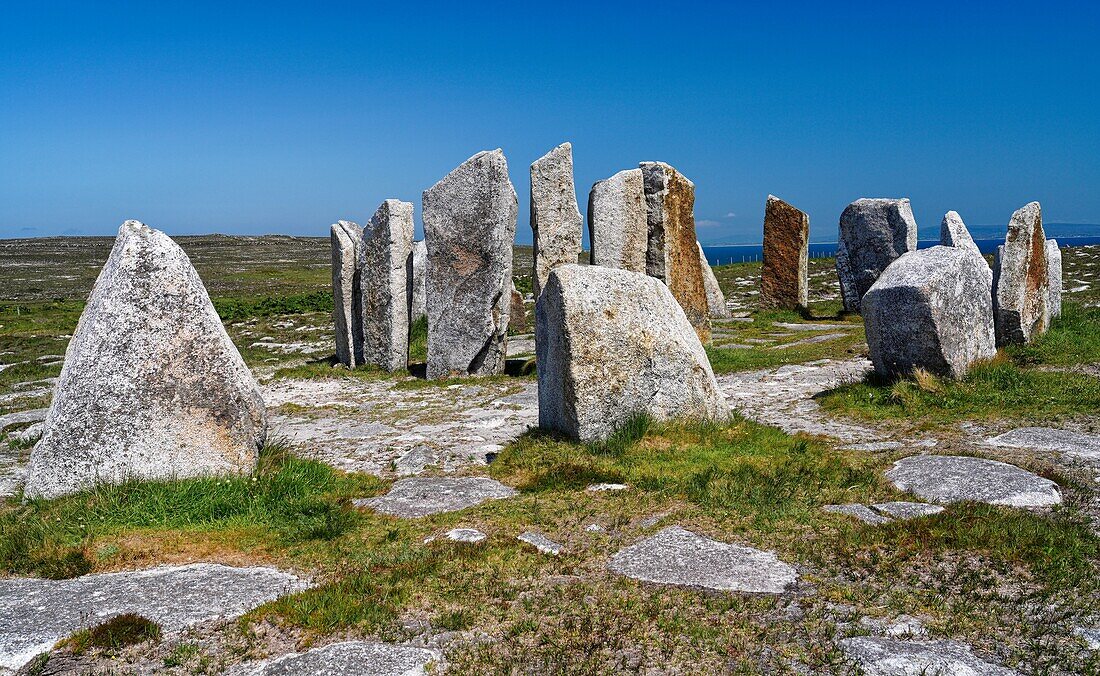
column 907, row 510
column 679, row 557
column 470, row 535
column 35, row 415
column 894, row 657
column 603, row 488
column 38, row 613
column 416, row 497
column 1076, row 444
column 861, row 512
column 353, row 658
column 947, row 478
column 540, row 542
column 1091, row 636
column 813, row 327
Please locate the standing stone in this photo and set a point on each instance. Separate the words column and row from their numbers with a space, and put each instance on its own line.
column 470, row 226
column 152, row 386
column 617, row 222
column 953, row 232
column 415, row 273
column 517, row 317
column 1054, row 274
column 873, row 233
column 612, row 345
column 387, row 248
column 673, row 254
column 784, row 279
column 1021, row 283
column 347, row 252
column 555, row 218
column 716, row 300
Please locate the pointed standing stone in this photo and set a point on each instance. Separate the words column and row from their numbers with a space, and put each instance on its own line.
column 1021, row 285
column 673, row 255
column 387, row 247
column 470, row 227
column 1054, row 273
column 617, row 225
column 415, row 273
column 716, row 300
column 555, row 218
column 152, row 386
column 347, row 252
column 873, row 233
column 784, row 279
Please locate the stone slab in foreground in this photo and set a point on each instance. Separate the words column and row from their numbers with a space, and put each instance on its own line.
column 677, row 556
column 38, row 613
column 950, row 478
column 894, row 657
column 1076, row 444
column 416, row 497
column 351, row 658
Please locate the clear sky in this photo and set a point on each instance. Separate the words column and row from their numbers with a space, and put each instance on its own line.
column 275, row 117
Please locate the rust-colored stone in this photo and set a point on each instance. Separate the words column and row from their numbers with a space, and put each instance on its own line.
column 784, row 280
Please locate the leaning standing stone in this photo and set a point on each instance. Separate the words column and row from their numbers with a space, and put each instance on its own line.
column 617, row 226
column 1021, row 283
column 716, row 300
column 152, row 386
column 415, row 273
column 873, row 233
column 1054, row 274
column 784, row 279
column 612, row 345
column 673, row 255
column 347, row 252
column 387, row 246
column 470, row 226
column 555, row 218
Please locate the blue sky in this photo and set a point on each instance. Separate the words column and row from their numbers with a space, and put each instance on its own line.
column 276, row 117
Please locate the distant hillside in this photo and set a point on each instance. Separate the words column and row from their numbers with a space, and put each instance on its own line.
column 1053, row 230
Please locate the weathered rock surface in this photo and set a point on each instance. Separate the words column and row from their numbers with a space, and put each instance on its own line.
column 954, row 233
column 387, row 246
column 555, row 218
column 351, row 658
column 612, row 345
column 617, row 222
column 716, row 300
column 1076, row 444
column 679, row 557
column 931, row 309
column 540, row 542
column 784, row 278
column 469, row 535
column 152, row 386
column 907, row 510
column 38, row 613
column 1054, row 279
column 470, row 226
column 873, row 233
column 895, row 657
column 946, row 479
column 858, row 511
column 517, row 315
column 1021, row 279
column 673, row 254
column 1090, row 635
column 416, row 273
column 347, row 257
column 420, row 496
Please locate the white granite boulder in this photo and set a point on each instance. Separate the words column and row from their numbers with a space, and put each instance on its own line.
column 1021, row 281
column 347, row 252
column 152, row 386
column 470, row 227
column 617, row 226
column 951, row 478
column 613, row 344
column 1054, row 279
column 415, row 273
column 555, row 218
column 716, row 300
column 387, row 247
column 873, row 233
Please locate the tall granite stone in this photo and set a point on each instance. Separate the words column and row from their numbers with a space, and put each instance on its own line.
column 873, row 233
column 470, row 227
column 617, row 222
column 1021, row 282
column 1054, row 277
column 784, row 278
column 932, row 309
column 612, row 345
column 152, row 386
column 415, row 273
column 716, row 300
column 672, row 255
column 387, row 248
column 347, row 256
column 555, row 218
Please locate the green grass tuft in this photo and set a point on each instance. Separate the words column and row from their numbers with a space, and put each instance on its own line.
column 118, row 632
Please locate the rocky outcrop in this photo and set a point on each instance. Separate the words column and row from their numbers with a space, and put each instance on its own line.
column 555, row 218
column 415, row 273
column 347, row 245
column 612, row 345
column 470, row 226
column 152, row 387
column 948, row 478
column 387, row 248
column 784, row 278
column 1021, row 279
column 716, row 300
column 1054, row 279
column 873, row 233
column 672, row 255
column 617, row 222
